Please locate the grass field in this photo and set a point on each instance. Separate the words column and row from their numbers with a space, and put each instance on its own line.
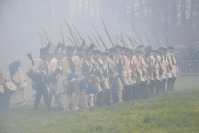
column 176, row 112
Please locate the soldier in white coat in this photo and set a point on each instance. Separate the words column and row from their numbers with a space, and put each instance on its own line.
column 19, row 78
column 57, row 86
column 164, row 68
column 172, row 68
column 40, row 75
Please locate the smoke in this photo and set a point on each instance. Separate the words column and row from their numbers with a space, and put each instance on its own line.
column 21, row 21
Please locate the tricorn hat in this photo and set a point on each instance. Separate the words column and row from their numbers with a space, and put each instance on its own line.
column 162, row 48
column 59, row 48
column 170, row 48
column 45, row 50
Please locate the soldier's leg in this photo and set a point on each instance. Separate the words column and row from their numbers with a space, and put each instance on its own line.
column 91, row 100
column 6, row 101
column 85, row 100
column 132, row 91
column 114, row 96
column 119, row 91
column 38, row 96
column 75, row 99
column 158, row 86
column 119, row 95
column 46, row 97
column 67, row 102
column 163, row 85
column 169, row 84
column 63, row 100
column 152, row 87
column 142, row 89
column 128, row 92
column 135, row 91
column 124, row 96
column 1, row 101
column 107, row 97
column 100, row 98
column 146, row 90
column 173, row 82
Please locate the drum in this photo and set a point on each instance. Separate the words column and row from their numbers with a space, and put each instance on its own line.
column 10, row 86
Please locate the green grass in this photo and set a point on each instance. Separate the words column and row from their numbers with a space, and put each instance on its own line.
column 172, row 112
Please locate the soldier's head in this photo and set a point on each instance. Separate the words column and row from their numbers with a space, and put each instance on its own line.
column 117, row 49
column 148, row 51
column 112, row 52
column 131, row 53
column 123, row 51
column 59, row 51
column 155, row 52
column 162, row 50
column 81, row 52
column 170, row 49
column 141, row 47
column 71, row 51
column 96, row 54
column 104, row 55
column 138, row 52
column 45, row 53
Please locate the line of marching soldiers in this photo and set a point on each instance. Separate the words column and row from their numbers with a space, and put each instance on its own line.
column 78, row 77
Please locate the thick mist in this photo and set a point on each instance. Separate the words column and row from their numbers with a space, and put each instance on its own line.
column 22, row 20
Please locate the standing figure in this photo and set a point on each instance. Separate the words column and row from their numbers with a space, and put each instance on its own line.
column 19, row 79
column 40, row 78
column 163, row 65
column 56, row 79
column 4, row 95
column 172, row 68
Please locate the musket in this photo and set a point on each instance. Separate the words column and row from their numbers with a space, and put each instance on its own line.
column 42, row 40
column 91, row 41
column 75, row 37
column 48, row 37
column 31, row 59
column 122, row 40
column 70, row 32
column 156, row 37
column 147, row 37
column 98, row 43
column 99, row 36
column 117, row 42
column 137, row 34
column 62, row 35
column 107, row 33
column 78, row 33
column 71, row 41
column 131, row 41
column 136, row 43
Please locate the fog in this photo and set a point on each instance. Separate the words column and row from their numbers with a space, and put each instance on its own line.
column 21, row 20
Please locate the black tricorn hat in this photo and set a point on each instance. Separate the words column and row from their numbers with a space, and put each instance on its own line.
column 148, row 51
column 105, row 53
column 138, row 51
column 140, row 47
column 59, row 48
column 155, row 51
column 117, row 47
column 45, row 50
column 70, row 48
column 162, row 48
column 170, row 48
column 91, row 47
column 96, row 52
